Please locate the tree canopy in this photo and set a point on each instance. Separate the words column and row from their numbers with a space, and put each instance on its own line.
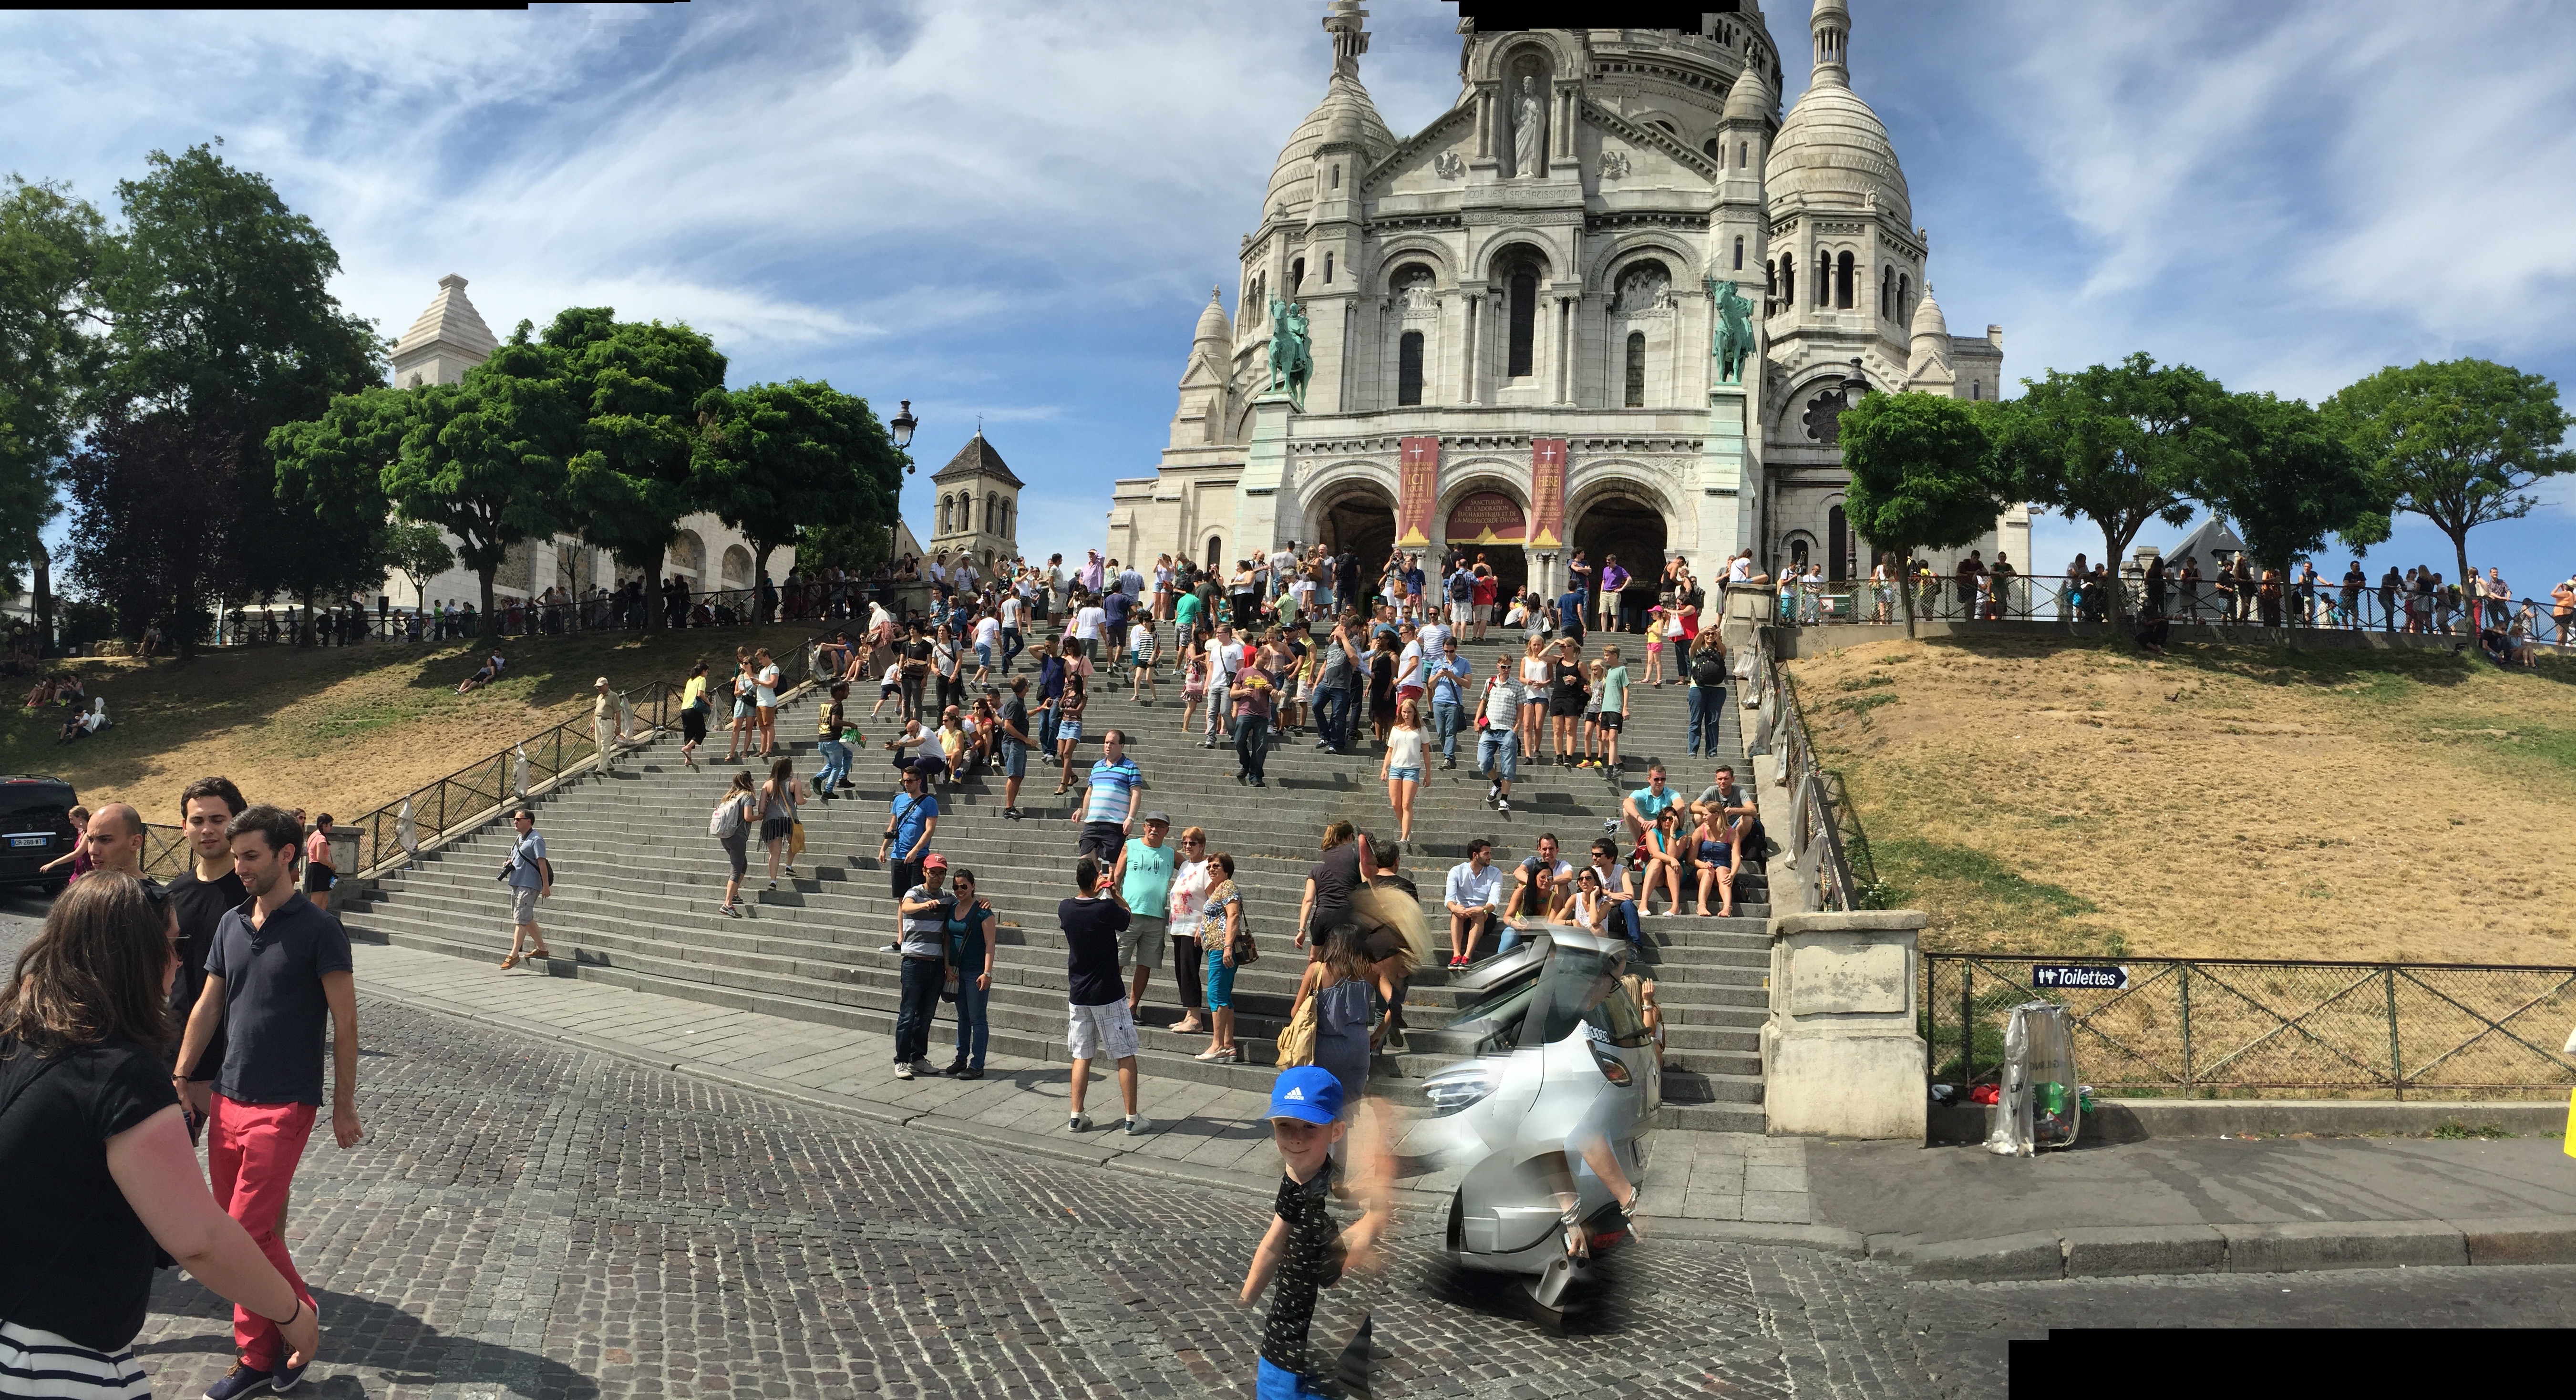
column 2287, row 481
column 1924, row 474
column 2460, row 442
column 778, row 458
column 641, row 389
column 2118, row 445
column 49, row 245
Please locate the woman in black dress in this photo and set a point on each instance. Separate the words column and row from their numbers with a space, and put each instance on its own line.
column 1567, row 690
column 1382, row 685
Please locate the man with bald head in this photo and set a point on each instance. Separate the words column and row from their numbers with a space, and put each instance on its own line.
column 115, row 839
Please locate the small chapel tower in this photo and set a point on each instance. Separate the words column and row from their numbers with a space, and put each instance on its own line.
column 448, row 339
column 979, row 506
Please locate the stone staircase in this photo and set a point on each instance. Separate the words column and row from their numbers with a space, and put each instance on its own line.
column 638, row 884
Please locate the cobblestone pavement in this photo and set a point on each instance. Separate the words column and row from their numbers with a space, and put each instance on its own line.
column 536, row 1219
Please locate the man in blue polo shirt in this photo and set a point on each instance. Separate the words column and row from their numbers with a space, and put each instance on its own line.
column 1647, row 803
column 1109, row 808
column 278, row 970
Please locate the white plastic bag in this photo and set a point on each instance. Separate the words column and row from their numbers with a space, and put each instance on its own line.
column 2038, row 1102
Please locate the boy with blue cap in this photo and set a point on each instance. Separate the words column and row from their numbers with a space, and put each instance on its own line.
column 1303, row 1250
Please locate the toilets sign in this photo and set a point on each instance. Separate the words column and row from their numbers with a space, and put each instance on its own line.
column 2077, row 977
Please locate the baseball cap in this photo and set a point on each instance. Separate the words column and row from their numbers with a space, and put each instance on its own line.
column 1164, row 817
column 935, row 862
column 1308, row 1093
column 601, row 681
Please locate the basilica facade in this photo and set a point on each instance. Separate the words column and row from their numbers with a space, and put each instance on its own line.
column 1513, row 319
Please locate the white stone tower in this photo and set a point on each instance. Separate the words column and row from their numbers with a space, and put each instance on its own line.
column 448, row 339
column 979, row 506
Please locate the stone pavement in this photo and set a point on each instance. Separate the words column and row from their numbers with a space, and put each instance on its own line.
column 530, row 1217
column 1707, row 1185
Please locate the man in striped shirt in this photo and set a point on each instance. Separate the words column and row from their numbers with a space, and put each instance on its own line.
column 1108, row 809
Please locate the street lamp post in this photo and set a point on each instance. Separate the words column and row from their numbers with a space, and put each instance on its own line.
column 902, row 425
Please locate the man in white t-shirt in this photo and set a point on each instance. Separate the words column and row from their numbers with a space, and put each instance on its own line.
column 1088, row 625
column 1010, row 627
column 1281, row 563
column 1740, row 568
column 1225, row 656
column 988, row 635
column 1434, row 635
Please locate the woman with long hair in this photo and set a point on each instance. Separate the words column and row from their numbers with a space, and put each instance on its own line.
column 1719, row 844
column 1381, row 685
column 1567, row 690
column 1401, row 768
column 737, row 847
column 1220, row 922
column 779, row 799
column 1535, row 675
column 1340, row 980
column 95, row 1145
column 1068, row 725
column 764, row 697
column 1666, row 858
column 738, row 741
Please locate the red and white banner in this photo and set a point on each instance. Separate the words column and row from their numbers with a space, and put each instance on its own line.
column 1547, row 493
column 1417, row 484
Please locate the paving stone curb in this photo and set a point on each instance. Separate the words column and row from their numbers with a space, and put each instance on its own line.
column 2290, row 1247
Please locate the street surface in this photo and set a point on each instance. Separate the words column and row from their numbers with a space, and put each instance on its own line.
column 537, row 1219
column 529, row 1218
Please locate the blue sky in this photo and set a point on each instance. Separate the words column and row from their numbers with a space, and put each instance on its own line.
column 1014, row 209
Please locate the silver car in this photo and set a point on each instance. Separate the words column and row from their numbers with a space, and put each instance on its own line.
column 1547, row 1125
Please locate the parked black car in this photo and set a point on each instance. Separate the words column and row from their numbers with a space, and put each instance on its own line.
column 35, row 827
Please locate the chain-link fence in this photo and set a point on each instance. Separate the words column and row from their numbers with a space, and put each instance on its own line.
column 2227, row 1027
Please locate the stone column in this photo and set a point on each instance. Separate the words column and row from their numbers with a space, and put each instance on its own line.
column 1265, row 475
column 1840, row 1054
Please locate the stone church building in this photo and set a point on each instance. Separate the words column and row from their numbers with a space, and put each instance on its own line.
column 449, row 338
column 1513, row 334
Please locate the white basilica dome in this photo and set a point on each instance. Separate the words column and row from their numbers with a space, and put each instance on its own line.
column 1346, row 115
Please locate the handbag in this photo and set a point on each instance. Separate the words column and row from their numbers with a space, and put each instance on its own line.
column 1297, row 1038
column 796, row 839
column 1246, row 953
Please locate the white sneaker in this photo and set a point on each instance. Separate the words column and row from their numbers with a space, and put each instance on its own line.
column 923, row 1066
column 1502, row 804
column 1137, row 1123
column 903, row 1071
column 1080, row 1123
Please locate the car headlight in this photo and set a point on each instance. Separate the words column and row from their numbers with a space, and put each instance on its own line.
column 1458, row 1086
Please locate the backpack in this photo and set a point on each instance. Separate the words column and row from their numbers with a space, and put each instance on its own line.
column 726, row 819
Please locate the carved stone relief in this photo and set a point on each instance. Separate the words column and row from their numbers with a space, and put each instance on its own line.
column 1614, row 165
column 1449, row 165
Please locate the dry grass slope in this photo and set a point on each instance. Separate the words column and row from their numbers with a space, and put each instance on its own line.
column 2228, row 801
column 339, row 729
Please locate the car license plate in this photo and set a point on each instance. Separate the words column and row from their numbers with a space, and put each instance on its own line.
column 17, row 841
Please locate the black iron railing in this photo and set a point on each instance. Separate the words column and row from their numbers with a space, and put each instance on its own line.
column 2243, row 1027
column 1823, row 833
column 2048, row 598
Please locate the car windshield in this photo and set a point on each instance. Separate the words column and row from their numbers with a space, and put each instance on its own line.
column 1569, row 991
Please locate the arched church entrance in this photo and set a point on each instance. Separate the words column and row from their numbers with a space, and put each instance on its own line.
column 1491, row 526
column 1359, row 519
column 1628, row 527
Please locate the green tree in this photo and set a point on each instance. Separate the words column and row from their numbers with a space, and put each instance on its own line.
column 221, row 327
column 2460, row 443
column 779, row 459
column 2118, row 445
column 419, row 553
column 1924, row 475
column 642, row 390
column 2287, row 481
column 484, row 460
column 48, row 250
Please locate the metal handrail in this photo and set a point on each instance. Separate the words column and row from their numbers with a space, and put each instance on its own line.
column 1821, row 815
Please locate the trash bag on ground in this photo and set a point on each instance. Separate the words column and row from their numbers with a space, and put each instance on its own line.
column 2038, row 1102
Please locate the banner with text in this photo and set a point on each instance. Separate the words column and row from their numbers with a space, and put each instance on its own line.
column 1547, row 493
column 1417, row 491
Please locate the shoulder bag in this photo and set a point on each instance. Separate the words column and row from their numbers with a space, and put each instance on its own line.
column 1297, row 1038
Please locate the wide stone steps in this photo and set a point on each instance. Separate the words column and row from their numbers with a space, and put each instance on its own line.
column 639, row 881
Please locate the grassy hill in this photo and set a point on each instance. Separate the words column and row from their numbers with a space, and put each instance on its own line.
column 2228, row 801
column 339, row 729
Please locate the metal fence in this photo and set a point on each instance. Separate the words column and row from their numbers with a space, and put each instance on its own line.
column 1948, row 598
column 735, row 607
column 1823, row 834
column 2213, row 1027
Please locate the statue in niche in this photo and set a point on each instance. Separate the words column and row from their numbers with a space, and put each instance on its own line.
column 1529, row 129
column 1415, row 294
column 1734, row 330
column 1644, row 289
column 1292, row 360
